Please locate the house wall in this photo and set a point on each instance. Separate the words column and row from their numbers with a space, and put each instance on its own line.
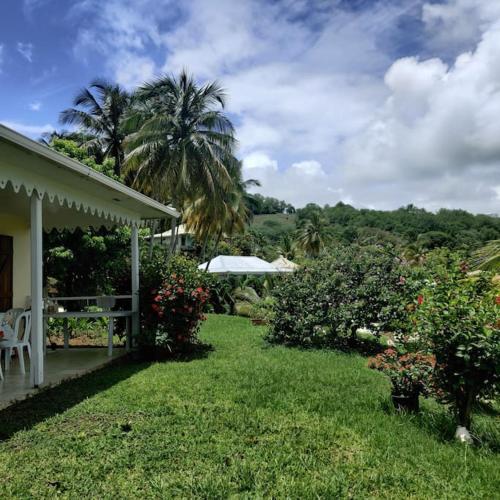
column 19, row 229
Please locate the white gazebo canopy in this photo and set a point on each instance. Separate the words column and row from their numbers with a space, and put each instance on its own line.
column 284, row 265
column 229, row 264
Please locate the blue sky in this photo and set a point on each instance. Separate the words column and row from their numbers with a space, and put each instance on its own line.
column 374, row 102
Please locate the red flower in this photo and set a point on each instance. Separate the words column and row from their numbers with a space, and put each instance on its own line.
column 180, row 290
column 497, row 300
column 2, row 334
column 158, row 298
column 420, row 300
column 155, row 307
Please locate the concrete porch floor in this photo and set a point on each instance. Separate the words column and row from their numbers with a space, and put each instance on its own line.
column 62, row 364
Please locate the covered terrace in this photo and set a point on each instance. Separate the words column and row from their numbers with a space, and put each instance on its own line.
column 42, row 190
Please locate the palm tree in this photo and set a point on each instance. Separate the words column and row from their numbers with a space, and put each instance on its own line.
column 183, row 143
column 100, row 110
column 311, row 235
column 487, row 258
column 227, row 213
column 287, row 247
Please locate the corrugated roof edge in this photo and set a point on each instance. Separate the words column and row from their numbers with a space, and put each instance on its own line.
column 81, row 169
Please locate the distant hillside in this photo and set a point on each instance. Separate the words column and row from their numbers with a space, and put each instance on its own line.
column 405, row 226
column 284, row 221
column 273, row 226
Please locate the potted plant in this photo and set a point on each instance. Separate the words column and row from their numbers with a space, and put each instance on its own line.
column 409, row 374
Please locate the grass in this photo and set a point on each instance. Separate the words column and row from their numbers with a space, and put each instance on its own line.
column 246, row 421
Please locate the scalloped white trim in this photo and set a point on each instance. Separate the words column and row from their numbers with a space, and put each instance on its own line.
column 109, row 215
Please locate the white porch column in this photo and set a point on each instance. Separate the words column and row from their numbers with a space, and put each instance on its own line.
column 37, row 336
column 135, row 283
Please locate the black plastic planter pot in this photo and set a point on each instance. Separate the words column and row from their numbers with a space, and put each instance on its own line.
column 406, row 403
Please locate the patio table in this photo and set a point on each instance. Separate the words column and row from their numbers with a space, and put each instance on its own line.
column 111, row 315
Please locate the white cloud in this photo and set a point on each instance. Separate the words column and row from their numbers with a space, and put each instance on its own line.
column 259, row 160
column 456, row 23
column 323, row 111
column 436, row 141
column 35, row 106
column 33, row 131
column 132, row 70
column 300, row 183
column 26, row 50
column 311, row 168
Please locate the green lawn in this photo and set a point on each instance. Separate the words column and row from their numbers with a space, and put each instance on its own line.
column 246, row 421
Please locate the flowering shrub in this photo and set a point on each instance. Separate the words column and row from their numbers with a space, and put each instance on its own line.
column 409, row 373
column 179, row 308
column 323, row 304
column 459, row 319
column 173, row 308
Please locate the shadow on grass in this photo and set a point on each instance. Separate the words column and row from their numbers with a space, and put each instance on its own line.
column 440, row 423
column 189, row 353
column 54, row 400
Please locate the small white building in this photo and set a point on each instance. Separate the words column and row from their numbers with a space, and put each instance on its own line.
column 41, row 189
column 185, row 238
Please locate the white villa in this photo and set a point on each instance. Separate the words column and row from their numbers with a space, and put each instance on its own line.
column 41, row 190
column 185, row 238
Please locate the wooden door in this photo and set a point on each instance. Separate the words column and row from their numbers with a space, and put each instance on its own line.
column 6, row 270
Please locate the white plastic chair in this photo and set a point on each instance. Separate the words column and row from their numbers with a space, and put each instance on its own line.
column 20, row 340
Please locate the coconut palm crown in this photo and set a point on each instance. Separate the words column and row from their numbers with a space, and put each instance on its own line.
column 99, row 110
column 183, row 142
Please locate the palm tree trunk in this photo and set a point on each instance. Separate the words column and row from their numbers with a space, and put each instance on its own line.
column 118, row 163
column 173, row 229
column 204, row 247
column 217, row 241
column 176, row 239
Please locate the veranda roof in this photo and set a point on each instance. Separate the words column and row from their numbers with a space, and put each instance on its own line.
column 228, row 264
column 73, row 195
column 182, row 229
column 284, row 265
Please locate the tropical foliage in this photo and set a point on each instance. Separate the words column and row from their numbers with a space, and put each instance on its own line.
column 99, row 111
column 182, row 143
column 459, row 319
column 327, row 301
